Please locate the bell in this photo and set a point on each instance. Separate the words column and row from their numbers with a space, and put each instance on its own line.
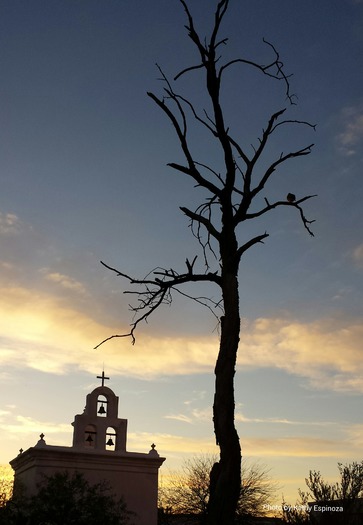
column 110, row 443
column 89, row 438
column 102, row 410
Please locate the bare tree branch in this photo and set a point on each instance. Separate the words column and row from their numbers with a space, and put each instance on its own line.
column 274, row 165
column 157, row 291
column 196, row 217
column 296, row 204
column 250, row 243
column 191, row 169
column 274, row 69
column 293, row 121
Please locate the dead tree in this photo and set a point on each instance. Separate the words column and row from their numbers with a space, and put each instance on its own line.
column 228, row 204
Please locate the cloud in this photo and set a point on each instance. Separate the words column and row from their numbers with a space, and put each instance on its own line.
column 295, row 447
column 22, row 431
column 24, row 249
column 305, row 450
column 180, row 417
column 50, row 334
column 326, row 352
column 355, row 436
column 357, row 256
column 298, row 446
column 6, row 265
column 41, row 331
column 278, row 421
column 30, row 426
column 195, row 416
column 64, row 281
column 10, row 224
column 175, row 447
column 352, row 134
column 170, row 444
column 3, row 413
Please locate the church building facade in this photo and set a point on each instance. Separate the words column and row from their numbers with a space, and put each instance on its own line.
column 99, row 453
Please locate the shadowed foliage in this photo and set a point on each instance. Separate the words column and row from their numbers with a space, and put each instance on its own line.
column 345, row 496
column 187, row 491
column 64, row 499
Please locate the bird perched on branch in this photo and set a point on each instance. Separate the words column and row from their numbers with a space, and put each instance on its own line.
column 290, row 197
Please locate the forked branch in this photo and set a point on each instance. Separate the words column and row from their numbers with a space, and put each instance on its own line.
column 157, row 290
column 295, row 204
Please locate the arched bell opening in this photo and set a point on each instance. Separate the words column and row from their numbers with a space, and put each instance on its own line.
column 102, row 406
column 90, row 435
column 110, row 443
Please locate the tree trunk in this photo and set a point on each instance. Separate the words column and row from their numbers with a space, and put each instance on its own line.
column 225, row 479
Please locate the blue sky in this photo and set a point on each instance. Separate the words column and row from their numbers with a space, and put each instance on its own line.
column 83, row 156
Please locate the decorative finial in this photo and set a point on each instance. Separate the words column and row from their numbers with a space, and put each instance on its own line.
column 20, row 451
column 41, row 442
column 103, row 378
column 153, row 451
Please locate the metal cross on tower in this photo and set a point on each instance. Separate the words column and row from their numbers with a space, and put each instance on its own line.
column 103, row 377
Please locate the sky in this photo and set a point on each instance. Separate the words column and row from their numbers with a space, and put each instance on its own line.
column 84, row 178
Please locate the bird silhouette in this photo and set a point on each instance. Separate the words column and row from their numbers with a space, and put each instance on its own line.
column 290, row 197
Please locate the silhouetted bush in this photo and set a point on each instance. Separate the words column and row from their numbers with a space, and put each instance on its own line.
column 64, row 499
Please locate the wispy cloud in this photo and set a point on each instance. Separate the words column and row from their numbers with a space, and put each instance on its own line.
column 357, row 256
column 295, row 447
column 355, row 435
column 303, row 446
column 3, row 413
column 180, row 417
column 170, row 444
column 10, row 224
column 64, row 281
column 27, row 425
column 194, row 416
column 5, row 265
column 352, row 133
column 278, row 421
column 25, row 431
